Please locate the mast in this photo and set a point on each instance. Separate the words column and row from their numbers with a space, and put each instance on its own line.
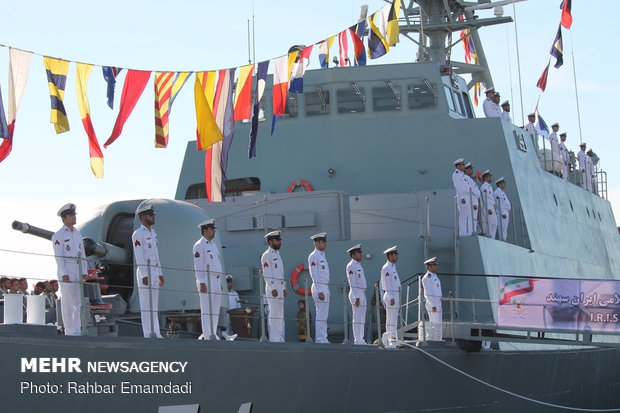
column 433, row 20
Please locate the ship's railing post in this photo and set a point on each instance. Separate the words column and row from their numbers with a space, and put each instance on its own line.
column 471, row 230
column 81, row 281
column 150, row 285
column 500, row 222
column 308, row 334
column 261, row 289
column 209, row 292
column 421, row 325
column 344, row 313
column 451, row 317
column 407, row 306
column 378, row 314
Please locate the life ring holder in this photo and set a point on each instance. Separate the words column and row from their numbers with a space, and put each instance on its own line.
column 295, row 284
column 302, row 183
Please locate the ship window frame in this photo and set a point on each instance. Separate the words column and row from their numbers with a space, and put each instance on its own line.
column 311, row 102
column 351, row 100
column 449, row 99
column 425, row 99
column 291, row 108
column 386, row 98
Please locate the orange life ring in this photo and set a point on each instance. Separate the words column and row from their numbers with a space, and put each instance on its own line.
column 295, row 280
column 302, row 182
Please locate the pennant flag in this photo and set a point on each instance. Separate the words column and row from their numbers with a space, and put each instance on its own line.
column 57, row 70
column 261, row 78
column 324, row 47
column 557, row 49
column 19, row 63
column 82, row 73
column 224, row 117
column 343, row 47
column 358, row 48
column 281, row 72
column 179, row 80
column 542, row 81
column 296, row 85
column 392, row 23
column 163, row 91
column 377, row 43
column 207, row 131
column 4, row 127
column 567, row 18
column 476, row 93
column 243, row 93
column 109, row 74
column 135, row 82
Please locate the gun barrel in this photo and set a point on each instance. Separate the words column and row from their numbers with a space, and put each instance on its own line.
column 32, row 230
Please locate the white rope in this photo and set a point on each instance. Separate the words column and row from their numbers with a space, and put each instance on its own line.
column 557, row 406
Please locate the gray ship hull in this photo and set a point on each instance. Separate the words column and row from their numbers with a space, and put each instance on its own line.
column 301, row 377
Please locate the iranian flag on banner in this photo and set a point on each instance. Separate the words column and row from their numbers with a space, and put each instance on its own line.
column 511, row 287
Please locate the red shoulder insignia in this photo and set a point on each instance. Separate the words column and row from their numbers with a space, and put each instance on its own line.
column 196, row 254
column 350, row 271
column 313, row 264
column 265, row 265
column 57, row 242
column 137, row 243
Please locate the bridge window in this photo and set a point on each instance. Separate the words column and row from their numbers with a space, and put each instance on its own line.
column 291, row 105
column 317, row 103
column 351, row 100
column 421, row 95
column 386, row 98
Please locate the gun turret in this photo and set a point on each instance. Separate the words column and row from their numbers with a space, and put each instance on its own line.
column 107, row 252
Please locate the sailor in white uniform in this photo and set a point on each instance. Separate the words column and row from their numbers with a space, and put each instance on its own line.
column 208, row 269
column 233, row 303
column 564, row 156
column 506, row 112
column 474, row 196
column 462, row 198
column 390, row 286
column 553, row 142
column 502, row 208
column 582, row 158
column 357, row 292
column 490, row 108
column 432, row 295
column 590, row 170
column 275, row 286
column 144, row 241
column 530, row 127
column 68, row 245
column 488, row 205
column 319, row 272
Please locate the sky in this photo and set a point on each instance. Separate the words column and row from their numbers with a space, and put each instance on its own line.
column 46, row 170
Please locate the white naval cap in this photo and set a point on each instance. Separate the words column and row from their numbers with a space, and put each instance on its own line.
column 532, row 115
column 458, row 161
column 66, row 209
column 146, row 209
column 468, row 165
column 355, row 248
column 391, row 250
column 582, row 144
column 489, row 90
column 229, row 277
column 320, row 236
column 273, row 234
column 555, row 124
column 499, row 180
column 485, row 173
column 506, row 103
column 431, row 261
column 206, row 224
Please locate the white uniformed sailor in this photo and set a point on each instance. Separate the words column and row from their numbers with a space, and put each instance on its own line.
column 275, row 286
column 502, row 208
column 553, row 142
column 432, row 295
column 564, row 156
column 357, row 293
column 582, row 158
column 144, row 241
column 474, row 196
column 488, row 204
column 530, row 127
column 390, row 286
column 589, row 171
column 233, row 303
column 206, row 255
column 67, row 242
column 506, row 112
column 462, row 198
column 319, row 272
column 490, row 108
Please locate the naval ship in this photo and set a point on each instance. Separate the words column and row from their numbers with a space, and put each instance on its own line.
column 366, row 155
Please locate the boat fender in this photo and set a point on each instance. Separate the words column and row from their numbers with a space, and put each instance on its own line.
column 295, row 284
column 302, row 183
